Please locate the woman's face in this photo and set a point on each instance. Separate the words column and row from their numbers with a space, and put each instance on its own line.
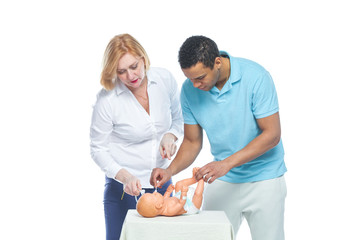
column 131, row 70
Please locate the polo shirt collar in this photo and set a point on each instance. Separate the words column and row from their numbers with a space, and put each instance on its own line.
column 234, row 75
column 234, row 71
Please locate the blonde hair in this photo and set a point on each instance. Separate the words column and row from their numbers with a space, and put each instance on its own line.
column 118, row 47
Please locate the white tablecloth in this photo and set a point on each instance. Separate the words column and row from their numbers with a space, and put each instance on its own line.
column 205, row 225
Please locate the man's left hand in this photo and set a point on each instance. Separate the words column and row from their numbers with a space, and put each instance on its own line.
column 212, row 171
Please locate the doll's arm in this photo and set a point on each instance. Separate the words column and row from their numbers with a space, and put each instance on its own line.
column 182, row 200
column 184, row 191
column 169, row 191
column 175, row 206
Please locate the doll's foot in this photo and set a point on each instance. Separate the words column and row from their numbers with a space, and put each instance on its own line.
column 185, row 189
column 195, row 170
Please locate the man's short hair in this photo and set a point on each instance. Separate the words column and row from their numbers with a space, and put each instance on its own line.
column 198, row 49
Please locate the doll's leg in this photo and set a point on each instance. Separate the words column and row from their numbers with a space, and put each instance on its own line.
column 186, row 182
column 198, row 195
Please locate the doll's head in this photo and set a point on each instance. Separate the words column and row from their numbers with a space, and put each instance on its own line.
column 150, row 204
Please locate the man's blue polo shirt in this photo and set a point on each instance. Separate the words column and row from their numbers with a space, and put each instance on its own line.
column 229, row 118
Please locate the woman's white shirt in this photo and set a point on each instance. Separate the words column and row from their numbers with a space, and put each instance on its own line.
column 124, row 135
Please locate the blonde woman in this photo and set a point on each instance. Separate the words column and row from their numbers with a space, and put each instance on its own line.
column 135, row 124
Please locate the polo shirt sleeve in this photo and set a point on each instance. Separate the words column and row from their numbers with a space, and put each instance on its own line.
column 186, row 111
column 264, row 97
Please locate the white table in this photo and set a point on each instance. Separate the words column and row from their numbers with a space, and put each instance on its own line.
column 205, row 225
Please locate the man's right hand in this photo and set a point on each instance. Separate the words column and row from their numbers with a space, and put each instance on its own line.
column 160, row 176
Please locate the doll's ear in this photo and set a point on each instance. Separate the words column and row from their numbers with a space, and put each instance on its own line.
column 158, row 205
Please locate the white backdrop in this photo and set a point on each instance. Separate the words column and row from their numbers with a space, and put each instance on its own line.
column 50, row 63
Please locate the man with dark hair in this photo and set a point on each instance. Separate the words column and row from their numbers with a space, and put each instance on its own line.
column 234, row 100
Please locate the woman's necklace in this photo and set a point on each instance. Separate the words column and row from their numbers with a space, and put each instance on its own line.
column 144, row 101
column 143, row 96
column 141, row 91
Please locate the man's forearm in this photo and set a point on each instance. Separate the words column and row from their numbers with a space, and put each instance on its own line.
column 261, row 144
column 185, row 157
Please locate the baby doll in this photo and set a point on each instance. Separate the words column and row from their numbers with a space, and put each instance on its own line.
column 155, row 204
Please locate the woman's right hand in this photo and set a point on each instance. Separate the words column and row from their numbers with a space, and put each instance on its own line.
column 132, row 185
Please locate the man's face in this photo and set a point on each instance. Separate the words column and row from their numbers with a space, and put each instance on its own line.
column 202, row 77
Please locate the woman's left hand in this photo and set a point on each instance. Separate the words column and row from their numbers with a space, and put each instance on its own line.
column 168, row 145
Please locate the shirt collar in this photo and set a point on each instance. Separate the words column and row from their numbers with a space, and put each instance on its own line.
column 121, row 87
